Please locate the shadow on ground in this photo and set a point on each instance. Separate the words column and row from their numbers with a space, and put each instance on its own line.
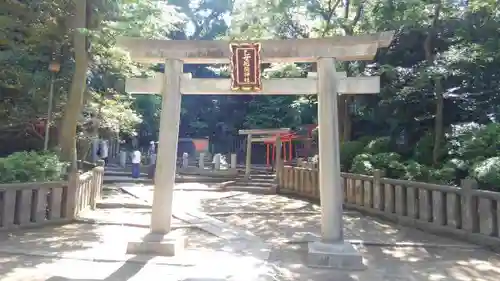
column 43, row 245
column 439, row 258
column 126, row 271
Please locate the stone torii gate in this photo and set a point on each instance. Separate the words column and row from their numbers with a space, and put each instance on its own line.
column 332, row 250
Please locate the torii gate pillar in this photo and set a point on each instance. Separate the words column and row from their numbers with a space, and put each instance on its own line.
column 332, row 250
column 160, row 241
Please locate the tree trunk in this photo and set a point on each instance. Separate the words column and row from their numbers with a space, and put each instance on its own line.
column 345, row 101
column 341, row 109
column 438, row 125
column 72, row 110
column 438, row 89
column 347, row 127
column 345, row 119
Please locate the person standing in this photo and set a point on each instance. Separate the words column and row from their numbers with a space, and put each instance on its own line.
column 152, row 166
column 152, row 151
column 104, row 149
column 136, row 164
column 135, row 142
column 152, row 160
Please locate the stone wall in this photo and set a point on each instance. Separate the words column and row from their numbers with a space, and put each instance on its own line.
column 463, row 212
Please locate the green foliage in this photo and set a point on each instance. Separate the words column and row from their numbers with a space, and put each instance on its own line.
column 349, row 150
column 382, row 160
column 457, row 164
column 464, row 58
column 389, row 162
column 487, row 172
column 396, row 170
column 115, row 114
column 361, row 164
column 365, row 140
column 378, row 145
column 34, row 33
column 416, row 171
column 479, row 144
column 422, row 152
column 30, row 167
column 444, row 175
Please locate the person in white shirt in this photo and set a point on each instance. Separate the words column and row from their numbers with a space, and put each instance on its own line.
column 152, row 153
column 136, row 164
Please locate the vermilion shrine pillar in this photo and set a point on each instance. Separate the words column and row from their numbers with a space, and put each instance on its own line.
column 248, row 157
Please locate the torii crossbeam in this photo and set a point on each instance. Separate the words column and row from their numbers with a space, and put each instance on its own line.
column 283, row 86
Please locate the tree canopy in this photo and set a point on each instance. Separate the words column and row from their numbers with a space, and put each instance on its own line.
column 439, row 75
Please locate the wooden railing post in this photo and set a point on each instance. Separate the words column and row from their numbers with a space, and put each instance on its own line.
column 70, row 194
column 469, row 206
column 378, row 190
column 296, row 179
column 95, row 193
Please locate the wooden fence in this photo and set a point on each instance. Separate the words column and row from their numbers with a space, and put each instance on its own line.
column 463, row 212
column 38, row 204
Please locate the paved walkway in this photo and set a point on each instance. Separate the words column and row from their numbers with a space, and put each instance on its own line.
column 391, row 252
column 246, row 237
column 94, row 248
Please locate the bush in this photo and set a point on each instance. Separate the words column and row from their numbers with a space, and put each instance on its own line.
column 30, row 167
column 389, row 162
column 422, row 153
column 396, row 170
column 482, row 143
column 361, row 164
column 365, row 139
column 457, row 164
column 378, row 145
column 445, row 175
column 487, row 173
column 460, row 168
column 349, row 150
column 416, row 171
column 382, row 160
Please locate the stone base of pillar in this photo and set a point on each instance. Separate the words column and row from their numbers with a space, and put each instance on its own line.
column 341, row 255
column 158, row 245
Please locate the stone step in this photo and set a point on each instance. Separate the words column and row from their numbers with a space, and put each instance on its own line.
column 259, row 177
column 178, row 179
column 122, row 173
column 259, row 172
column 124, row 179
column 252, row 189
column 126, row 169
column 255, row 182
column 252, row 181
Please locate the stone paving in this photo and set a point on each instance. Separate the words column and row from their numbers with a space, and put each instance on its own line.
column 391, row 252
column 94, row 248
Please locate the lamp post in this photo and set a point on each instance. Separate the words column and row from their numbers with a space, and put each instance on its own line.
column 54, row 68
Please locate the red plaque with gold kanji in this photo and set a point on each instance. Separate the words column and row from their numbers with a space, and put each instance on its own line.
column 245, row 67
